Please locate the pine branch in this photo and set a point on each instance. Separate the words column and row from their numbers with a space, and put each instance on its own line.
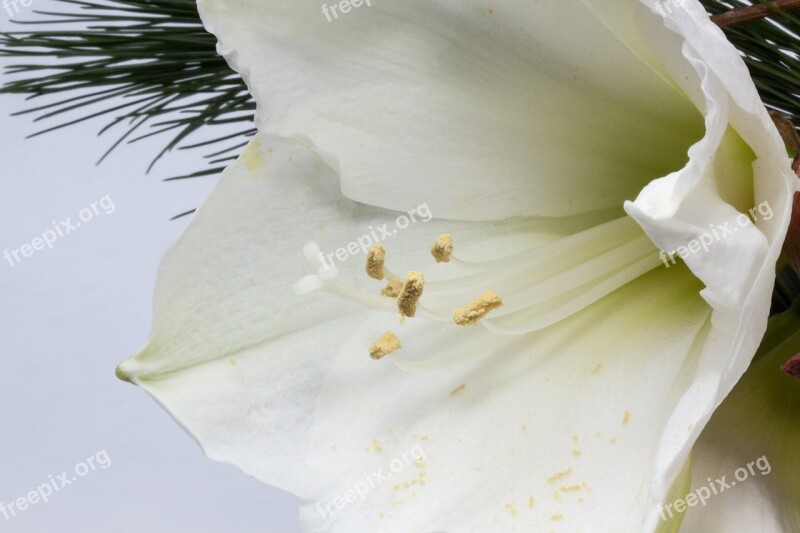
column 754, row 12
column 148, row 65
column 771, row 51
column 154, row 60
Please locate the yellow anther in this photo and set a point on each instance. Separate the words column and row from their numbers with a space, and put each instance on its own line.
column 478, row 309
column 394, row 288
column 411, row 293
column 386, row 344
column 442, row 249
column 375, row 260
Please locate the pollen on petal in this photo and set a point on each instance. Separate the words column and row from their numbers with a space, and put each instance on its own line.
column 375, row 260
column 411, row 293
column 478, row 309
column 386, row 344
column 458, row 389
column 559, row 475
column 442, row 249
column 394, row 288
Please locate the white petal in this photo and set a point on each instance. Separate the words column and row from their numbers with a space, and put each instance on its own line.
column 411, row 108
column 715, row 190
column 753, row 441
column 239, row 360
column 234, row 355
column 224, row 291
column 570, row 416
column 740, row 164
column 484, row 112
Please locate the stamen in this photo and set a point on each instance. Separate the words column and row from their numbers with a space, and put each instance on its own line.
column 327, row 280
column 607, row 235
column 478, row 309
column 544, row 261
column 546, row 282
column 442, row 249
column 388, row 274
column 340, row 288
column 375, row 261
column 541, row 286
column 394, row 288
column 411, row 293
column 576, row 301
column 386, row 344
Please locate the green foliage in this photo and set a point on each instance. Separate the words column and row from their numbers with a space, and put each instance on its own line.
column 148, row 65
column 771, row 51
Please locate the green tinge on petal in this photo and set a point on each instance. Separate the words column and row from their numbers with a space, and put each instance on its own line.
column 552, row 429
column 671, row 521
column 417, row 108
column 234, row 354
column 759, row 419
column 484, row 113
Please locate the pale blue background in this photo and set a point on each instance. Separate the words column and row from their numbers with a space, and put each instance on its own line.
column 69, row 315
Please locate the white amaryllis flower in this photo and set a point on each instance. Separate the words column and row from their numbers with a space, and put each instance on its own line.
column 520, row 128
column 746, row 463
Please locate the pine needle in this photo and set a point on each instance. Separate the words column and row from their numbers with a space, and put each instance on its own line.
column 156, row 57
column 146, row 64
column 771, row 49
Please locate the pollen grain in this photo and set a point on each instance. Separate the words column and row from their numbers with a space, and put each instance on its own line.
column 442, row 249
column 375, row 261
column 467, row 316
column 411, row 293
column 386, row 344
column 393, row 289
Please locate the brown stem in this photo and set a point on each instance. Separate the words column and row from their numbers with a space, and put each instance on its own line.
column 787, row 130
column 755, row 12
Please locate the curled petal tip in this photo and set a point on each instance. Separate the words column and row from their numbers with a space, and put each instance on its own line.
column 123, row 374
